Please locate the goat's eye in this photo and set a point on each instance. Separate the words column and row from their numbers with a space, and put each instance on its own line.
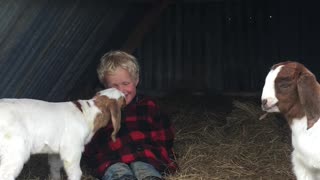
column 284, row 85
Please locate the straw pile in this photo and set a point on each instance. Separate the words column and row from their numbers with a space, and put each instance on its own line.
column 217, row 138
column 218, row 141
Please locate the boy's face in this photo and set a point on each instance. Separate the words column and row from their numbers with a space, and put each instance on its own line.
column 122, row 80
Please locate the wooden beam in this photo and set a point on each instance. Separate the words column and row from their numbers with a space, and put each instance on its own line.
column 178, row 1
column 136, row 37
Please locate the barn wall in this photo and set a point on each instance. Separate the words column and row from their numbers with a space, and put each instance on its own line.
column 47, row 46
column 50, row 49
column 227, row 46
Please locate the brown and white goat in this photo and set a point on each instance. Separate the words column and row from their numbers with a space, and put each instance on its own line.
column 291, row 89
column 29, row 126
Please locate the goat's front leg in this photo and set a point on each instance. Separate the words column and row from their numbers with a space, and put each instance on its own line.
column 71, row 163
column 301, row 171
column 55, row 166
column 14, row 152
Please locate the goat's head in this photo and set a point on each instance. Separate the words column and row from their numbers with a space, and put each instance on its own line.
column 110, row 102
column 291, row 89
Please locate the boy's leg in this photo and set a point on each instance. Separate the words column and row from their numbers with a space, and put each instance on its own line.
column 145, row 171
column 119, row 171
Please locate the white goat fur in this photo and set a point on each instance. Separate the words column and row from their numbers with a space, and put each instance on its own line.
column 306, row 142
column 29, row 126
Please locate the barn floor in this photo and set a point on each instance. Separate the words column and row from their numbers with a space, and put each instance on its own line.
column 218, row 137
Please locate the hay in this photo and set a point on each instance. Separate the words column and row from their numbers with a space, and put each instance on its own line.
column 241, row 148
column 220, row 141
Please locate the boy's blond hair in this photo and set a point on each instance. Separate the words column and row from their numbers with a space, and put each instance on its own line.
column 110, row 61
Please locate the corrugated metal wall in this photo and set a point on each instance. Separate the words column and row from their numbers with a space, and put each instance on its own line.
column 49, row 49
column 227, row 46
column 46, row 46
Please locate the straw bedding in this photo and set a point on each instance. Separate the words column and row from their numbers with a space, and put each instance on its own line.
column 216, row 138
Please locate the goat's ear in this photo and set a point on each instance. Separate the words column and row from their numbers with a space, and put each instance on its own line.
column 122, row 102
column 309, row 95
column 115, row 111
column 97, row 95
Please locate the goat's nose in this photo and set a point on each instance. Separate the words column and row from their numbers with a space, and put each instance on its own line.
column 264, row 102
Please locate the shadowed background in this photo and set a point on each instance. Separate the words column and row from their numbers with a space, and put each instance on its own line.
column 196, row 56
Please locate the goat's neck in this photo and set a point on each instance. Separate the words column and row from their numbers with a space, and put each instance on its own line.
column 89, row 111
column 295, row 111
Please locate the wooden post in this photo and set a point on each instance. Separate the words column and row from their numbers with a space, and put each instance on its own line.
column 147, row 22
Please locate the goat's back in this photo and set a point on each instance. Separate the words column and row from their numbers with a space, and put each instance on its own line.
column 41, row 124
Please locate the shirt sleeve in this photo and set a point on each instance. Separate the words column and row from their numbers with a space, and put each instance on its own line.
column 165, row 134
column 168, row 140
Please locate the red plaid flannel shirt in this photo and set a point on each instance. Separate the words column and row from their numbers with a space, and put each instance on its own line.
column 146, row 135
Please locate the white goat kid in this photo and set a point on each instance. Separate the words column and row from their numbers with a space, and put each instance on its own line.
column 291, row 89
column 29, row 126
